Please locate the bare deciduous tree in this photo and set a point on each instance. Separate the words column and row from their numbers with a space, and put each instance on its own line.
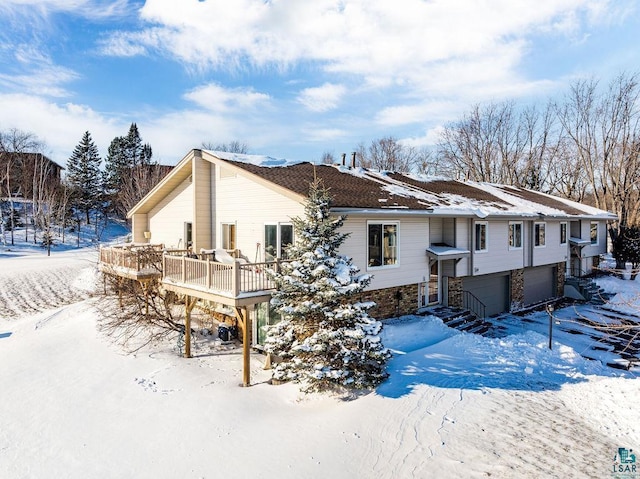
column 13, row 144
column 388, row 154
column 142, row 315
column 234, row 146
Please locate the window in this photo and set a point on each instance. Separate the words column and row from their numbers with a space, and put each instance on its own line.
column 383, row 244
column 277, row 237
column 515, row 235
column 228, row 236
column 481, row 236
column 593, row 234
column 188, row 235
column 563, row 233
column 539, row 238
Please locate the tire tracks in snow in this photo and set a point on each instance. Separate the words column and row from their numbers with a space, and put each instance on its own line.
column 31, row 292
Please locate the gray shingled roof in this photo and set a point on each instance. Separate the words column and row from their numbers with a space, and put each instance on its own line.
column 358, row 188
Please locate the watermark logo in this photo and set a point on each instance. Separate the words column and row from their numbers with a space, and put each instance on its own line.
column 624, row 464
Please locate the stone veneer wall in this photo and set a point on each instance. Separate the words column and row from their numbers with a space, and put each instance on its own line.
column 387, row 303
column 560, row 278
column 455, row 292
column 517, row 288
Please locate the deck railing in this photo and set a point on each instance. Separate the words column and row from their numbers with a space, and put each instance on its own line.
column 232, row 279
column 191, row 271
column 132, row 256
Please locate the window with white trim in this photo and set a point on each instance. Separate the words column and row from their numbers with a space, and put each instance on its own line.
column 515, row 234
column 593, row 233
column 480, row 240
column 563, row 233
column 383, row 244
column 228, row 236
column 277, row 237
column 539, row 234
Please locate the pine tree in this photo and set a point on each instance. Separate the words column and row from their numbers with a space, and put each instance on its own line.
column 325, row 339
column 125, row 157
column 83, row 174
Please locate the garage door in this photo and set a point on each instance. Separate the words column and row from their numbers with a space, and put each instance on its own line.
column 539, row 284
column 492, row 290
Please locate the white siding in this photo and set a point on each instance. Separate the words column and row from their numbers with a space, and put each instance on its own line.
column 202, row 198
column 448, row 231
column 435, row 230
column 167, row 218
column 139, row 224
column 413, row 237
column 463, row 241
column 498, row 257
column 250, row 206
column 553, row 252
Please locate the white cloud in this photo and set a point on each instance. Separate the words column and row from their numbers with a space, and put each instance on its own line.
column 34, row 72
column 374, row 39
column 322, row 98
column 324, row 134
column 216, row 98
column 94, row 9
column 60, row 126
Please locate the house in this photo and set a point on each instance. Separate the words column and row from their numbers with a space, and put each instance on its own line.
column 26, row 170
column 490, row 248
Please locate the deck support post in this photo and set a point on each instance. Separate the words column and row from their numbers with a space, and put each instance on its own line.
column 189, row 303
column 245, row 321
column 120, row 283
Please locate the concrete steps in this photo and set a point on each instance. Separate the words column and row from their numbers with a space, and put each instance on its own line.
column 460, row 319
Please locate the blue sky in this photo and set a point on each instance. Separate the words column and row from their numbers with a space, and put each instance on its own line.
column 291, row 78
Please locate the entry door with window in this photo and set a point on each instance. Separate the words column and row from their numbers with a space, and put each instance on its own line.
column 277, row 237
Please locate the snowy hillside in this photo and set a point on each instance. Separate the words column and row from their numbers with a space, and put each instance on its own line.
column 456, row 405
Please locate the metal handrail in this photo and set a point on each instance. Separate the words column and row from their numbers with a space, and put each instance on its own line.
column 471, row 302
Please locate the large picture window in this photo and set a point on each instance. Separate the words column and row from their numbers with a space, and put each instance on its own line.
column 480, row 241
column 539, row 234
column 383, row 244
column 277, row 237
column 515, row 235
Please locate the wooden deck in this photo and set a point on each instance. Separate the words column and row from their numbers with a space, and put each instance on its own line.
column 133, row 261
column 235, row 284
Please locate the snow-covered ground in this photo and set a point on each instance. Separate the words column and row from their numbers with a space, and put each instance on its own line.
column 74, row 405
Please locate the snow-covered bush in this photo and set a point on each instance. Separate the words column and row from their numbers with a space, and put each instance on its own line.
column 326, row 339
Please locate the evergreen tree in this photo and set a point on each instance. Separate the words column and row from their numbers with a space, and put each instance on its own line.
column 125, row 157
column 83, row 174
column 325, row 339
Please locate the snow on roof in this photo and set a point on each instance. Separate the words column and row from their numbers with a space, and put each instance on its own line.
column 361, row 189
column 445, row 250
column 257, row 160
